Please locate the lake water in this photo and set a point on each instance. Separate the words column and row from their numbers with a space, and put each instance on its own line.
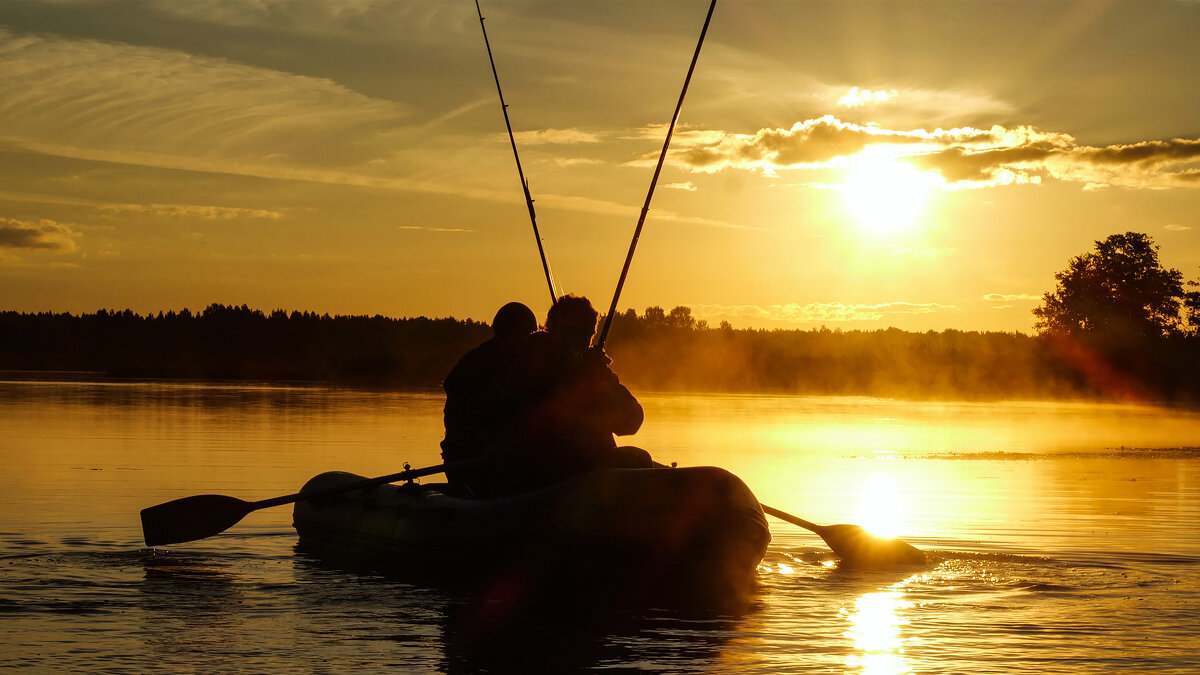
column 1063, row 538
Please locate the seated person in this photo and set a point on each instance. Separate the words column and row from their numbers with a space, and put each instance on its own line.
column 568, row 404
column 478, row 407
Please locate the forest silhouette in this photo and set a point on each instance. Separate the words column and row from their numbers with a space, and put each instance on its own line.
column 656, row 350
column 1118, row 326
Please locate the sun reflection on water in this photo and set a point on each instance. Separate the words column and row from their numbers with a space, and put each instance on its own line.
column 875, row 628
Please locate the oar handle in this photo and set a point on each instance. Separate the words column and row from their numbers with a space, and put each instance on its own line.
column 362, row 484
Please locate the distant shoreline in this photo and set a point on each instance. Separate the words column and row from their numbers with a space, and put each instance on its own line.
column 655, row 352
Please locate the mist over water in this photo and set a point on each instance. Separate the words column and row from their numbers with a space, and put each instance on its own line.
column 1062, row 538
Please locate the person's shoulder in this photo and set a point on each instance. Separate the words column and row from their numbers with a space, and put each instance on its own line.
column 537, row 345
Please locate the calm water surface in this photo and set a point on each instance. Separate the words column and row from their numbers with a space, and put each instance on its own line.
column 1062, row 536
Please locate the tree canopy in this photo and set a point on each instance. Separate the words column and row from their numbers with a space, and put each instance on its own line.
column 1119, row 291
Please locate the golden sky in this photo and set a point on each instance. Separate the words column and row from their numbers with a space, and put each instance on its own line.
column 856, row 165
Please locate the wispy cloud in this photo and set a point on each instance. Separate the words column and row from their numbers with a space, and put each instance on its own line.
column 412, row 20
column 1010, row 297
column 192, row 211
column 575, row 161
column 165, row 210
column 433, row 229
column 158, row 108
column 555, row 136
column 45, row 235
column 103, row 96
column 689, row 186
column 813, row 312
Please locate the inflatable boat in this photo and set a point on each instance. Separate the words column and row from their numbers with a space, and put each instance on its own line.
column 631, row 531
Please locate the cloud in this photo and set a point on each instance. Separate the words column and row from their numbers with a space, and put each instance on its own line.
column 813, row 312
column 103, row 97
column 1010, row 297
column 433, row 229
column 45, row 235
column 149, row 107
column 167, row 210
column 575, row 161
column 813, row 143
column 192, row 211
column 355, row 19
column 555, row 136
column 1177, row 228
column 856, row 97
column 687, row 187
column 963, row 157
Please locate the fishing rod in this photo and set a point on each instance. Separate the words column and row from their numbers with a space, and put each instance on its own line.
column 637, row 233
column 520, row 173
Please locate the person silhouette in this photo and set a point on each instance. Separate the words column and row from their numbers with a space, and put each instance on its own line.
column 478, row 408
column 569, row 404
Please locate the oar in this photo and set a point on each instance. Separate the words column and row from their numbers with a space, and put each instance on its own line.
column 200, row 516
column 858, row 548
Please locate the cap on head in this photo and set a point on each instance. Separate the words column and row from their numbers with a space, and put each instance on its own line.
column 514, row 320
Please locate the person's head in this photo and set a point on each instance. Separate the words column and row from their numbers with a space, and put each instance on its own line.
column 513, row 321
column 572, row 321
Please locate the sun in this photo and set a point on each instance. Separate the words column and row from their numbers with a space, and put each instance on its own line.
column 881, row 509
column 884, row 194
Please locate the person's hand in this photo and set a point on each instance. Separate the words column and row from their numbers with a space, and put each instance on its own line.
column 596, row 356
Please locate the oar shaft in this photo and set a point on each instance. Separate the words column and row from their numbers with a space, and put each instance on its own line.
column 784, row 515
column 362, row 484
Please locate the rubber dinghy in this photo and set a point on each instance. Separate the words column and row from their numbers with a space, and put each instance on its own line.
column 633, row 531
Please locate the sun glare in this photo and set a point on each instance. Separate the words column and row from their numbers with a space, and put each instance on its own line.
column 884, row 195
column 881, row 510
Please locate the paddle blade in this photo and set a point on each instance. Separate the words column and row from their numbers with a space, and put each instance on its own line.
column 859, row 549
column 191, row 518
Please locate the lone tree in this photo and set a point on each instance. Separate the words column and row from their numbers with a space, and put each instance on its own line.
column 1119, row 291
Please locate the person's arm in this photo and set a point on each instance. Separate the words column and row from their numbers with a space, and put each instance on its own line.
column 623, row 413
column 626, row 413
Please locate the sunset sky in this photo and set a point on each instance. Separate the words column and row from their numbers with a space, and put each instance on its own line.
column 856, row 165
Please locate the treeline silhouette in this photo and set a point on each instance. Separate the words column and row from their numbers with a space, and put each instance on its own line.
column 654, row 351
column 239, row 343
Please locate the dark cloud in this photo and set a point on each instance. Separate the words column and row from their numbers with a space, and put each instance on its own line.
column 45, row 235
column 1147, row 152
column 959, row 164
